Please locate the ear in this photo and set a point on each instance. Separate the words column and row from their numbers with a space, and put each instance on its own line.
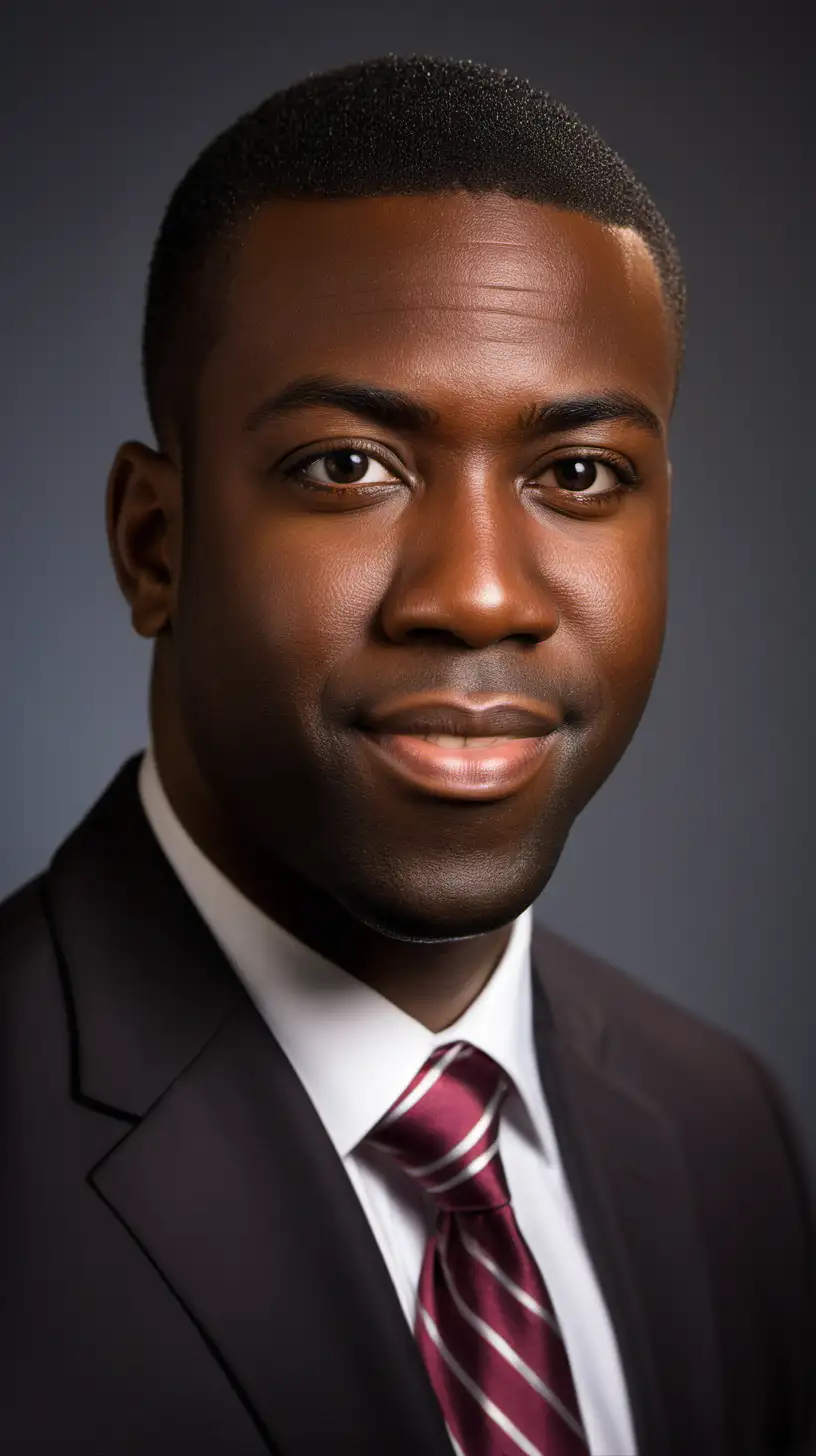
column 143, row 519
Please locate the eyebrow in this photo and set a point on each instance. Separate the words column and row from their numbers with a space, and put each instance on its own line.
column 401, row 412
column 384, row 406
column 574, row 414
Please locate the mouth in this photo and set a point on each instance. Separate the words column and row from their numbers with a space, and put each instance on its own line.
column 458, row 766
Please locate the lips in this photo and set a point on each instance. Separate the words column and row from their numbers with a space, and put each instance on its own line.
column 460, row 748
column 462, row 717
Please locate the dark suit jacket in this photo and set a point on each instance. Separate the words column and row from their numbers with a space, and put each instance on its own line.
column 185, row 1267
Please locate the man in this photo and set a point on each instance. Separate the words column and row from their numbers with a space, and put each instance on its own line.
column 311, row 1143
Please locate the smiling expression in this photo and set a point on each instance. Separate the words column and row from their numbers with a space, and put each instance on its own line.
column 428, row 457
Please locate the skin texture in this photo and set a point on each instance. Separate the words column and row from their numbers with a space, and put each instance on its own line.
column 282, row 612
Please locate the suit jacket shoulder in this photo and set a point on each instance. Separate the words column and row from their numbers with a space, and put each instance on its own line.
column 679, row 1056
column 31, row 1003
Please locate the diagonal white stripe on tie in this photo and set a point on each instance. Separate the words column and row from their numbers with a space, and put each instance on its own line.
column 431, row 1076
column 469, row 1172
column 457, row 1449
column 467, row 1142
column 509, row 1284
column 488, row 1406
column 505, row 1348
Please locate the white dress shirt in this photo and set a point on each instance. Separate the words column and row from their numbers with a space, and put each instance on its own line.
column 355, row 1052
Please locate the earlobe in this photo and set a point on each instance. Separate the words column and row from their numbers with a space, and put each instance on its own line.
column 142, row 511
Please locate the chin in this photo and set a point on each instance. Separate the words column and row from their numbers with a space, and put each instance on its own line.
column 439, row 908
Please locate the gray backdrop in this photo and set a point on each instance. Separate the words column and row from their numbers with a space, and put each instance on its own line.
column 692, row 868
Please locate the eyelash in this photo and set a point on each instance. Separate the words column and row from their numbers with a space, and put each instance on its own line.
column 627, row 477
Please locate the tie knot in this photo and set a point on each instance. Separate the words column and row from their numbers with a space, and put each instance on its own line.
column 444, row 1129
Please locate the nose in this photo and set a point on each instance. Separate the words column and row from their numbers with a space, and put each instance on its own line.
column 471, row 569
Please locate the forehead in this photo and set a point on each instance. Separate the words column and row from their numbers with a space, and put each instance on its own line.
column 452, row 291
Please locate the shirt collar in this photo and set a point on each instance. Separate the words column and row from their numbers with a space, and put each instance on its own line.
column 354, row 1051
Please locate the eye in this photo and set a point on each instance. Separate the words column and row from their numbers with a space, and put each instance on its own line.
column 587, row 475
column 343, row 468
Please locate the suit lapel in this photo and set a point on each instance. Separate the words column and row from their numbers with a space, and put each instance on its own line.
column 234, row 1191
column 625, row 1170
column 226, row 1177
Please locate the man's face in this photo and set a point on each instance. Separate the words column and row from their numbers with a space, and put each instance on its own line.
column 479, row 563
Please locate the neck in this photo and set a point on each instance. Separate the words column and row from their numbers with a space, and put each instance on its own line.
column 432, row 981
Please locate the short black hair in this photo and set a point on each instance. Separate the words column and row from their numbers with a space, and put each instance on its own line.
column 390, row 125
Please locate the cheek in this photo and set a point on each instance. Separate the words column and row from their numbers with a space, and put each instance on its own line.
column 282, row 599
column 618, row 608
column 612, row 626
column 312, row 593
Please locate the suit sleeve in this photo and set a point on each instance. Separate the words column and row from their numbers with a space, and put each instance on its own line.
column 797, row 1428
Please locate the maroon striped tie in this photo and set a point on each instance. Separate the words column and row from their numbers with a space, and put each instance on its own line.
column 485, row 1324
